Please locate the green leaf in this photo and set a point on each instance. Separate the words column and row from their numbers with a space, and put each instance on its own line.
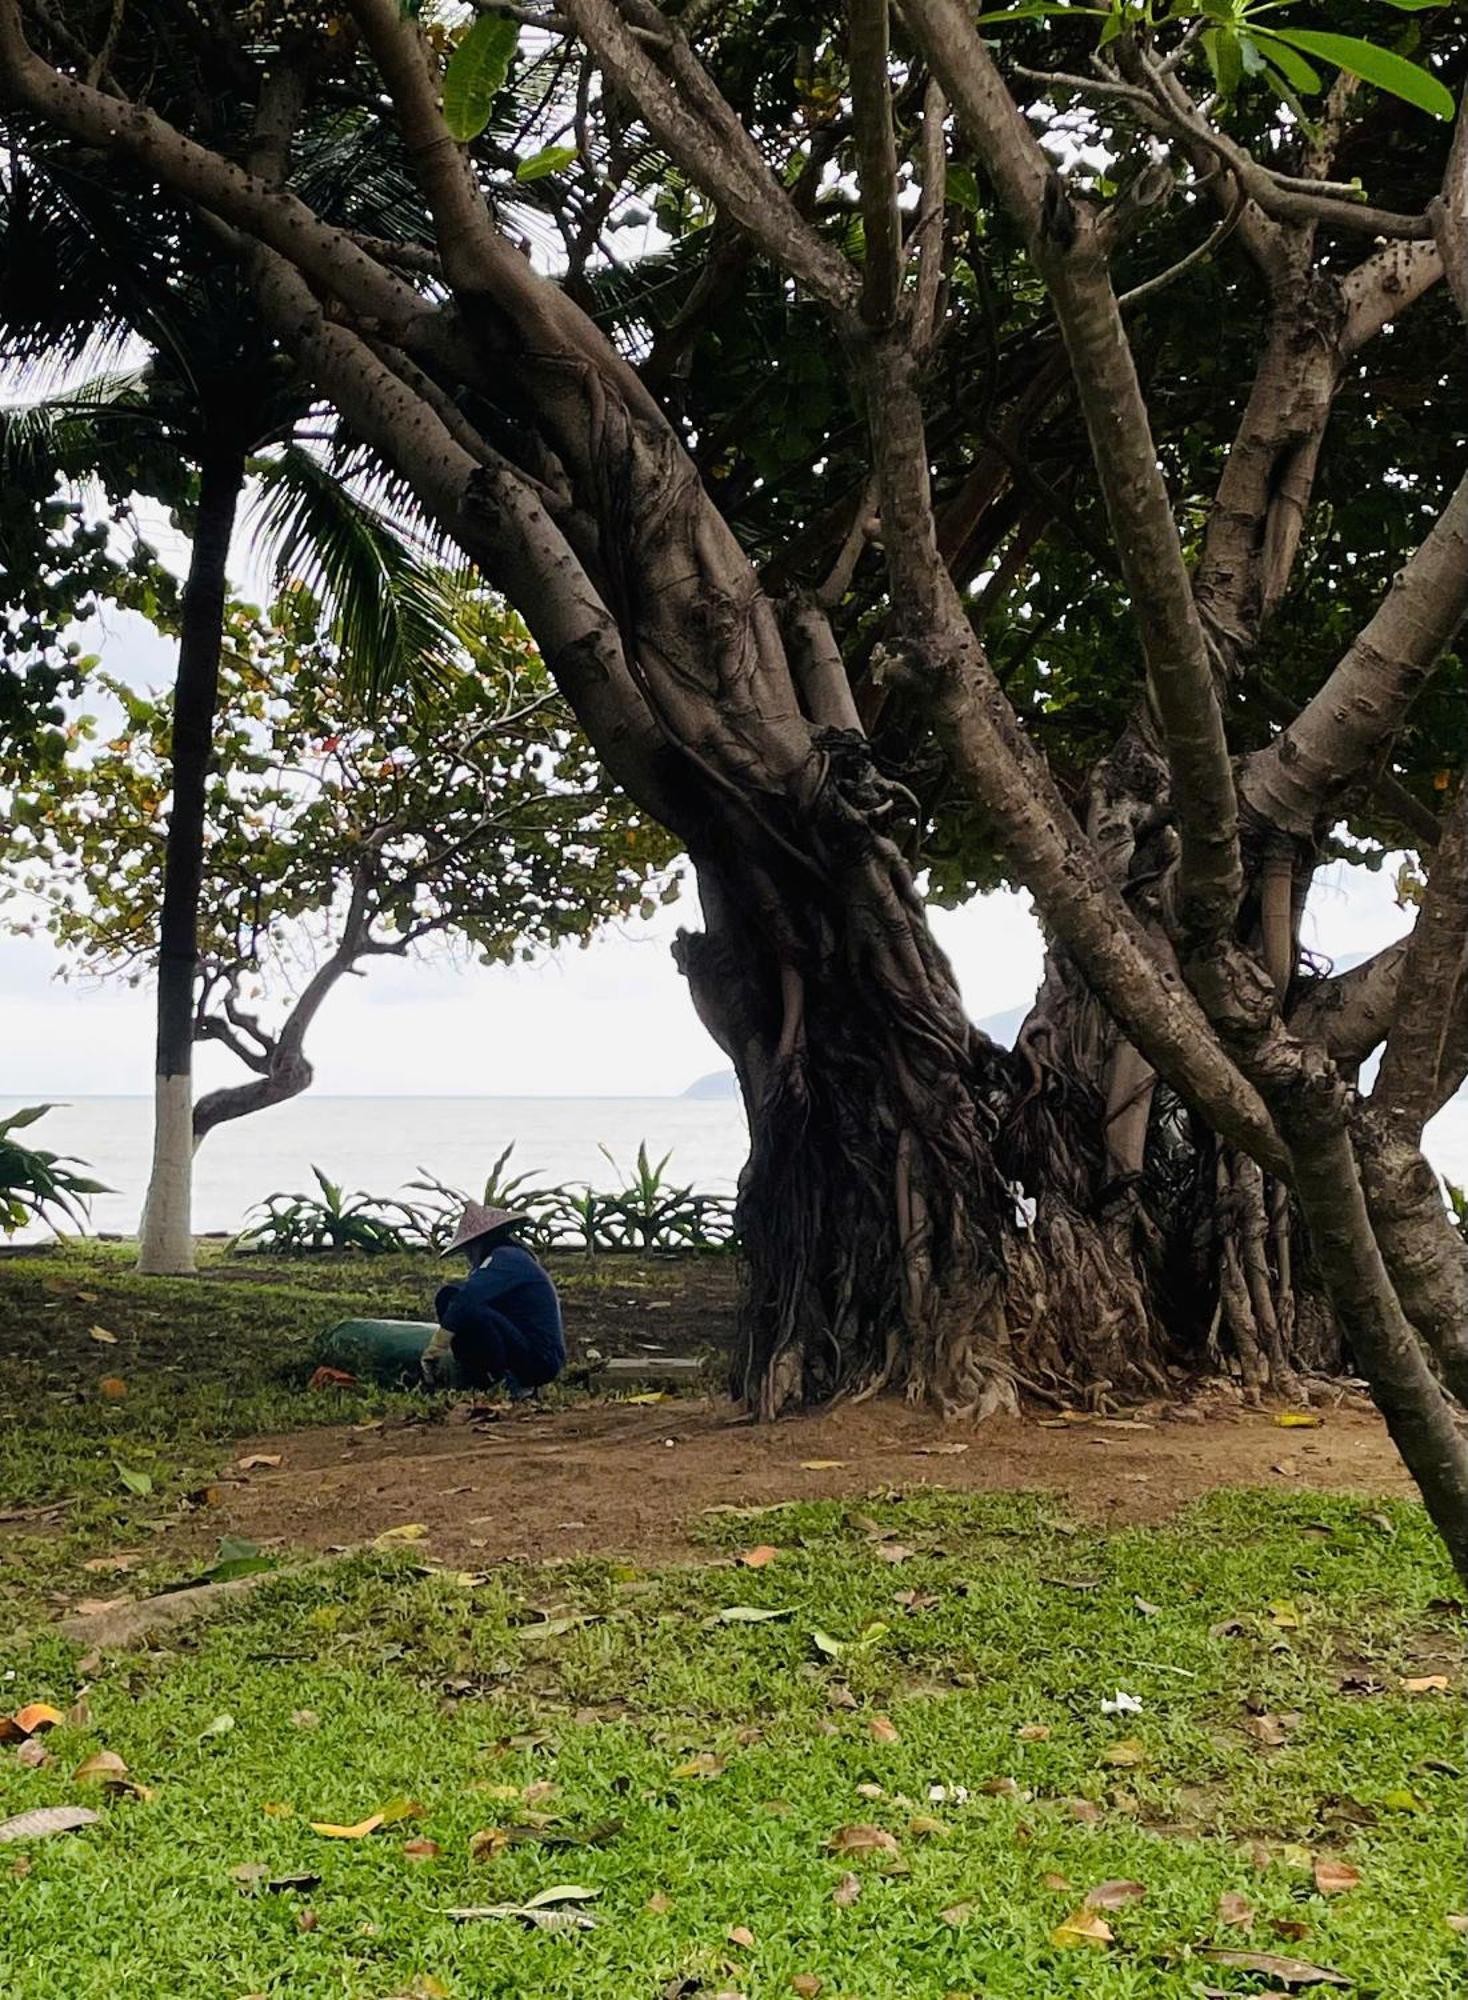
column 1299, row 74
column 749, row 1614
column 549, row 160
column 476, row 75
column 140, row 1483
column 1393, row 73
column 1225, row 59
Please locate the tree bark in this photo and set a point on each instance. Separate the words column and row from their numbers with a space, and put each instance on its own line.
column 166, row 1243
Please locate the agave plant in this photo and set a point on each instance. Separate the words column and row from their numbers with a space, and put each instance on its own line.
column 539, row 1205
column 300, row 1224
column 36, row 1185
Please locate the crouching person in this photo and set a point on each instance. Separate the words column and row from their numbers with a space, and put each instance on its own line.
column 502, row 1326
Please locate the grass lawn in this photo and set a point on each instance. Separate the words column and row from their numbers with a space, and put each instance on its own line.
column 748, row 1801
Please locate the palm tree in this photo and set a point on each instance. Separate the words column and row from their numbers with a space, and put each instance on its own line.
column 168, row 388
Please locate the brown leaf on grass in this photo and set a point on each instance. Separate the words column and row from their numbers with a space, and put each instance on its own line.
column 1334, row 1878
column 1083, row 1927
column 939, row 1450
column 658, row 1905
column 704, row 1765
column 999, row 1788
column 807, row 1984
column 883, row 1729
column 1033, row 1732
column 759, row 1557
column 1056, row 1884
column 268, row 1459
column 100, row 1765
column 1291, row 1929
column 539, row 1792
column 33, row 1718
column 305, row 1718
column 863, row 1839
column 1113, row 1895
column 893, row 1552
column 33, row 1754
column 915, row 1600
column 922, row 1826
column 100, row 1333
column 956, row 1914
column 1456, row 1922
column 1289, row 1971
column 1235, row 1909
column 488, row 1843
column 421, row 1850
column 1426, row 1684
column 112, row 1389
column 1128, row 1751
column 823, row 1465
column 41, row 1823
column 1085, row 1810
column 109, row 1565
column 1266, row 1729
column 846, row 1891
column 741, row 1935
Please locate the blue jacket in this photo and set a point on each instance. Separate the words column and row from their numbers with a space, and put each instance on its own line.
column 506, row 1321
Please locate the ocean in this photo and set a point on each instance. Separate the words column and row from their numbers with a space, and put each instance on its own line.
column 380, row 1143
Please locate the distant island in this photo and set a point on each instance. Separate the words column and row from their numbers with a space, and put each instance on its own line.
column 721, row 1085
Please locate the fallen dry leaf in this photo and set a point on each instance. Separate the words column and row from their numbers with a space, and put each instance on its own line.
column 406, row 1531
column 305, row 1718
column 422, row 1850
column 1291, row 1971
column 807, row 1984
column 658, row 1905
column 863, row 1839
column 358, row 1832
column 1298, row 1420
column 1085, row 1810
column 1334, row 1878
column 269, row 1459
column 1130, row 1750
column 487, row 1843
column 107, row 1339
column 109, row 1565
column 101, row 1764
column 1083, row 1927
column 1426, row 1684
column 1113, row 1895
column 1284, row 1616
column 957, row 1913
column 760, row 1557
column 1235, row 1909
column 33, row 1754
column 741, row 1935
column 41, row 1823
column 893, row 1552
column 1266, row 1729
column 705, row 1765
column 822, row 1464
column 1057, row 1884
column 883, row 1729
column 1456, row 1922
column 112, row 1389
column 846, row 1891
column 939, row 1450
column 1033, row 1732
column 31, row 1720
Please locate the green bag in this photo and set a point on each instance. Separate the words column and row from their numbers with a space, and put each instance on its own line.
column 389, row 1351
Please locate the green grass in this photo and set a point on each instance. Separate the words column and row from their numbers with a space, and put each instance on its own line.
column 727, row 1755
column 205, row 1361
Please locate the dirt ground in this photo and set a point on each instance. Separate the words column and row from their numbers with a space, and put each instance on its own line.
column 623, row 1478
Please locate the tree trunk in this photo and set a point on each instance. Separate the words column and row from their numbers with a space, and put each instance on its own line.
column 166, row 1243
column 878, row 1235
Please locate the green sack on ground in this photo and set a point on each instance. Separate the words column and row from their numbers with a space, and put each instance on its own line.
column 389, row 1351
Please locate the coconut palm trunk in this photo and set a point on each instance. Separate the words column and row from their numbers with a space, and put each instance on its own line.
column 166, row 1239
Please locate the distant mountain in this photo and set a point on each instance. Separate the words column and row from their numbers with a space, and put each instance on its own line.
column 719, row 1086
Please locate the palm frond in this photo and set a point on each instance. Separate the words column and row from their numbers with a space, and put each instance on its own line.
column 392, row 609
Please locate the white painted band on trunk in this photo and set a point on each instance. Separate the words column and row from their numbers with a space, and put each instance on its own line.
column 165, row 1234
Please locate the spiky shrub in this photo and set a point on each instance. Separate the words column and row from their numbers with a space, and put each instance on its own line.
column 1458, row 1203
column 37, row 1185
column 299, row 1224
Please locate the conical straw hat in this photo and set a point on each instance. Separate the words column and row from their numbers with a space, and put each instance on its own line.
column 477, row 1221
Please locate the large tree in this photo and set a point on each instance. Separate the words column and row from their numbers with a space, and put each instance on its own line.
column 981, row 228
column 473, row 823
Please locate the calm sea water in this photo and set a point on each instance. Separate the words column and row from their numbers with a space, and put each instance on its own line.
column 378, row 1143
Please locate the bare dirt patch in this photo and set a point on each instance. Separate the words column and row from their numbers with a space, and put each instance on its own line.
column 626, row 1479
